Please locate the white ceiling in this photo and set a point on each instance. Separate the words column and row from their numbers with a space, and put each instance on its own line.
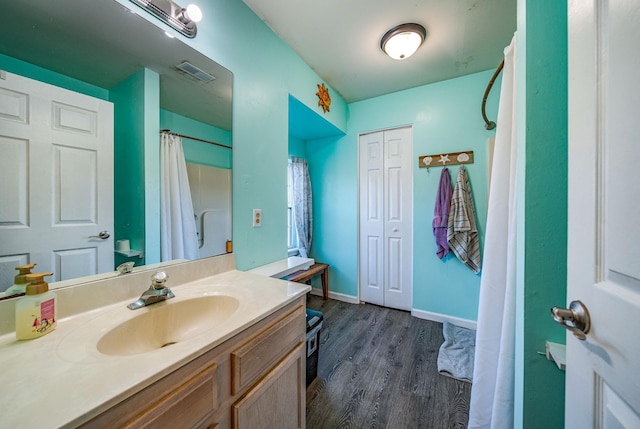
column 340, row 39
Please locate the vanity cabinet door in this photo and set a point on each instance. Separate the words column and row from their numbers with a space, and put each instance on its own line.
column 278, row 400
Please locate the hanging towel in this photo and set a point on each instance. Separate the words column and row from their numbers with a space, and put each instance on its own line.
column 441, row 213
column 462, row 233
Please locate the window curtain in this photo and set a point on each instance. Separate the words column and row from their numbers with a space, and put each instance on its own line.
column 302, row 204
column 492, row 391
column 178, row 236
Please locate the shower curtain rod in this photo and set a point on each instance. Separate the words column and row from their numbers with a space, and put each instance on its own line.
column 490, row 124
column 196, row 138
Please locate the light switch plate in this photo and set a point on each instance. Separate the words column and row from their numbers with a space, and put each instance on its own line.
column 257, row 217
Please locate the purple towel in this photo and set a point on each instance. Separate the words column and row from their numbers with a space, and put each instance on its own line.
column 441, row 213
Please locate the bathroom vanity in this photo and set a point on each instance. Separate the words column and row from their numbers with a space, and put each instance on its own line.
column 226, row 352
column 255, row 379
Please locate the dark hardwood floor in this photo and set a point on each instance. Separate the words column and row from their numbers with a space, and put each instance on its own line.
column 377, row 368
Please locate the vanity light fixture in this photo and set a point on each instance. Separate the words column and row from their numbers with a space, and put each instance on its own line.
column 179, row 18
column 403, row 40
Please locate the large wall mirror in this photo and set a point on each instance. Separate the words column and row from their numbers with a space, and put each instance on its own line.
column 108, row 49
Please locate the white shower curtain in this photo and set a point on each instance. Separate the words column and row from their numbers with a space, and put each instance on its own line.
column 492, row 392
column 178, row 237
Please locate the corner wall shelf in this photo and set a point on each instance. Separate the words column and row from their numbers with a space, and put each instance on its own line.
column 131, row 253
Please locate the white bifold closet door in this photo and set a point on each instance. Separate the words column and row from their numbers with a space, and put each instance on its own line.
column 385, row 224
column 56, row 170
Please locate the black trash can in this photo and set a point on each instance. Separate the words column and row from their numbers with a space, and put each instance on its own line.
column 314, row 324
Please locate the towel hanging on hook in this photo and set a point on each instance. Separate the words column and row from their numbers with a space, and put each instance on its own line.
column 441, row 213
column 462, row 231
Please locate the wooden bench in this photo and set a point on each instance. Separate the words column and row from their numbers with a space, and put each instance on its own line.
column 305, row 276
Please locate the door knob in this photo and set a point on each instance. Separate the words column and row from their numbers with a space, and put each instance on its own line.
column 103, row 235
column 575, row 318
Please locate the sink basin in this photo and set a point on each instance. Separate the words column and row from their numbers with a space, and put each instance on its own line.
column 163, row 324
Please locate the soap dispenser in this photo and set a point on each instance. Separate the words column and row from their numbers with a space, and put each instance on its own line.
column 20, row 281
column 36, row 313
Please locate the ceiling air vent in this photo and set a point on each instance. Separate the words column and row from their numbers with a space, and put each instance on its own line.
column 196, row 72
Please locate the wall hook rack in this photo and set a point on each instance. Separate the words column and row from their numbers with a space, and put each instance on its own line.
column 445, row 159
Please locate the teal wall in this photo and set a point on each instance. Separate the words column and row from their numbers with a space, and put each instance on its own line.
column 129, row 163
column 333, row 169
column 236, row 38
column 297, row 147
column 196, row 151
column 151, row 142
column 31, row 71
column 542, row 124
column 265, row 72
column 445, row 117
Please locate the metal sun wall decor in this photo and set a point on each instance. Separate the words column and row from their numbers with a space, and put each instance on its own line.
column 324, row 99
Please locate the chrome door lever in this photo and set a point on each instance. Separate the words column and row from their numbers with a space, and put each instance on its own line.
column 575, row 318
column 103, row 235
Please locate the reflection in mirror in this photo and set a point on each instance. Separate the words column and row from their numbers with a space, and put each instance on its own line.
column 113, row 58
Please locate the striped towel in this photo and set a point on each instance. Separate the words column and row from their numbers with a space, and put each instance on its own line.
column 462, row 233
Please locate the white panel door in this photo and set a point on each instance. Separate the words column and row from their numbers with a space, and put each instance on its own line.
column 371, row 234
column 57, row 179
column 386, row 218
column 603, row 371
column 398, row 217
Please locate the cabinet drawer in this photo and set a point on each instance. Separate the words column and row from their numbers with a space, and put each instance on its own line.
column 167, row 403
column 261, row 352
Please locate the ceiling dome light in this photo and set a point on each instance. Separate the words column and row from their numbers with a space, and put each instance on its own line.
column 194, row 13
column 403, row 40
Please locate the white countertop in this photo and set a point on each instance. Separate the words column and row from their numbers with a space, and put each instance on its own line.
column 283, row 267
column 61, row 380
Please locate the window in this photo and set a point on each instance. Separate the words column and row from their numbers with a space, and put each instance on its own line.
column 292, row 235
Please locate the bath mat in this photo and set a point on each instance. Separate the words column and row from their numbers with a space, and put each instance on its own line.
column 455, row 358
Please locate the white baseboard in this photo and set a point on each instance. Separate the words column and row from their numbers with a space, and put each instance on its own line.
column 337, row 296
column 421, row 314
column 437, row 317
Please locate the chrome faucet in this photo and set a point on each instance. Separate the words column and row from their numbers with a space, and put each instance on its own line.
column 157, row 292
column 125, row 268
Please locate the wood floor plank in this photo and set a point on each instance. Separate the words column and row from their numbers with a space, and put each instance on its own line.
column 377, row 368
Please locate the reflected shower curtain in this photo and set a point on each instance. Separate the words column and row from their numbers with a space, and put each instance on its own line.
column 302, row 204
column 492, row 391
column 178, row 237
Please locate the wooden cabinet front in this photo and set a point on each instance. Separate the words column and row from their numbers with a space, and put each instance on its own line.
column 277, row 400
